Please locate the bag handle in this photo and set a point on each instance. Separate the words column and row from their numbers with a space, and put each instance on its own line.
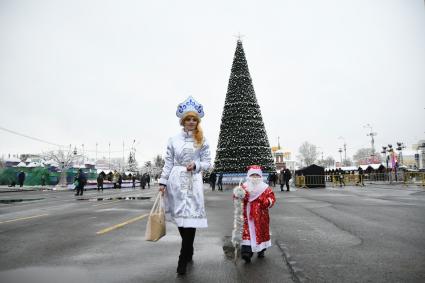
column 158, row 204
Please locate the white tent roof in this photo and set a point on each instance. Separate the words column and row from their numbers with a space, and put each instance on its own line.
column 349, row 168
column 35, row 159
column 35, row 164
column 21, row 164
column 375, row 166
column 12, row 159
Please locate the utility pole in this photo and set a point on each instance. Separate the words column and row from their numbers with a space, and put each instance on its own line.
column 371, row 134
column 123, row 158
column 345, row 148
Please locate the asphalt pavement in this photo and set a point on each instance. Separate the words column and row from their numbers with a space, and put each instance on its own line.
column 349, row 234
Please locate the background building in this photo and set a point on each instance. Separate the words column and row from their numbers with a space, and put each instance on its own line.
column 282, row 157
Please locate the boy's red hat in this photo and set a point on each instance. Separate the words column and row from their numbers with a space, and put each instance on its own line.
column 254, row 169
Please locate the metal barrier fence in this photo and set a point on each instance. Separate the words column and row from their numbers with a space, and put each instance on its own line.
column 405, row 178
column 414, row 178
column 310, row 181
column 346, row 179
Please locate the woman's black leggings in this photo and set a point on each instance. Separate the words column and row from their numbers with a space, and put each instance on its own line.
column 188, row 236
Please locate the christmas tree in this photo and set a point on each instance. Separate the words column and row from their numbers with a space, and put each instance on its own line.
column 243, row 139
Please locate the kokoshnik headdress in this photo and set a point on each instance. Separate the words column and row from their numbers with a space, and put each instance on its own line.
column 190, row 105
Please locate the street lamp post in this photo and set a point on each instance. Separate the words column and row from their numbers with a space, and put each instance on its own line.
column 345, row 149
column 371, row 134
column 109, row 161
column 83, row 154
column 340, row 154
column 384, row 153
column 391, row 152
column 400, row 147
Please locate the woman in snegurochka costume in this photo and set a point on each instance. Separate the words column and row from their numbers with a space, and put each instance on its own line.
column 181, row 182
column 257, row 200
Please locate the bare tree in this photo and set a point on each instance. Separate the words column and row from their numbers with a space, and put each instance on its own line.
column 362, row 154
column 347, row 162
column 64, row 159
column 366, row 156
column 327, row 162
column 147, row 168
column 159, row 161
column 308, row 153
column 158, row 164
column 154, row 168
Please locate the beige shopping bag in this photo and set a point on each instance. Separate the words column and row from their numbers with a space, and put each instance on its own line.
column 155, row 228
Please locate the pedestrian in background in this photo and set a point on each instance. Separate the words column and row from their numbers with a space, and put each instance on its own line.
column 143, row 181
column 188, row 154
column 119, row 180
column 43, row 180
column 341, row 177
column 220, row 181
column 81, row 180
column 148, row 180
column 21, row 178
column 270, row 179
column 100, row 181
column 274, row 179
column 360, row 177
column 284, row 177
column 115, row 178
column 213, row 178
column 133, row 179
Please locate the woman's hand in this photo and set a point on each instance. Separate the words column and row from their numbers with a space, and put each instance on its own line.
column 191, row 166
column 162, row 189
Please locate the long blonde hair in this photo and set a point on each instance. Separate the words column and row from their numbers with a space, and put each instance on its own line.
column 198, row 134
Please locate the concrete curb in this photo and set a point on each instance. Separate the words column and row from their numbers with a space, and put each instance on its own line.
column 23, row 189
column 297, row 272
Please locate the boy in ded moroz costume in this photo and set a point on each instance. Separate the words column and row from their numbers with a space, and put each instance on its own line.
column 257, row 198
column 188, row 154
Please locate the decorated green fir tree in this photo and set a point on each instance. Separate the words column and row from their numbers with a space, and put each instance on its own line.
column 243, row 139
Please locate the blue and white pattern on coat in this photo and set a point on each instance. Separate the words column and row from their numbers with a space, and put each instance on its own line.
column 184, row 197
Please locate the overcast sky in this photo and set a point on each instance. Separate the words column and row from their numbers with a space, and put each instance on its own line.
column 87, row 72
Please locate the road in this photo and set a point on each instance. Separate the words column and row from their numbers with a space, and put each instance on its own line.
column 350, row 234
